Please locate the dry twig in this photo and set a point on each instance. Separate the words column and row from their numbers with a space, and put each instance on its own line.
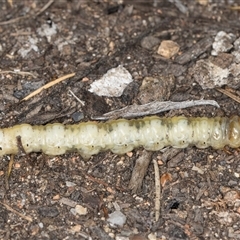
column 158, row 190
column 229, row 94
column 16, row 212
column 78, row 99
column 93, row 179
column 45, row 7
column 235, row 8
column 9, row 171
column 19, row 73
column 151, row 108
column 14, row 20
column 48, row 85
column 27, row 16
column 10, row 166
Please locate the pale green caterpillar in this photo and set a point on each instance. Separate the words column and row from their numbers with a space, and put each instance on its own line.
column 121, row 136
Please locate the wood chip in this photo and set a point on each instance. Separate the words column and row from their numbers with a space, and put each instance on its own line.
column 139, row 171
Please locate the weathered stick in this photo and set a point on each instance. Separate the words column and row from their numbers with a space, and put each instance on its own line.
column 133, row 111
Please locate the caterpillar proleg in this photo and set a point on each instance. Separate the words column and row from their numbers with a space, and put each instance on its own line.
column 121, row 136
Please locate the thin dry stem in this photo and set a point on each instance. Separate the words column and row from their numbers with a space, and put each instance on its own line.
column 22, row 73
column 49, row 3
column 16, row 212
column 229, row 94
column 46, row 6
column 79, row 100
column 158, row 190
column 48, row 85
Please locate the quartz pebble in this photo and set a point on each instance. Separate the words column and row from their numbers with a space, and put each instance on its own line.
column 116, row 219
column 113, row 83
column 80, row 210
column 223, row 42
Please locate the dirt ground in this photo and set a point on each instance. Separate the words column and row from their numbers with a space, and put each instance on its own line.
column 66, row 197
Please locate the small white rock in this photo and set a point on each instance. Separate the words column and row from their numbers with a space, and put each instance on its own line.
column 28, row 46
column 40, row 225
column 73, row 211
column 70, row 184
column 152, row 236
column 113, row 83
column 47, row 31
column 119, row 237
column 117, row 219
column 197, row 169
column 81, row 210
column 237, row 175
column 223, row 42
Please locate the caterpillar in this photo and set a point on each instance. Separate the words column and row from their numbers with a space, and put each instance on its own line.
column 121, row 136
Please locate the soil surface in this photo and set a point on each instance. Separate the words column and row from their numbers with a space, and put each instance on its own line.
column 67, row 197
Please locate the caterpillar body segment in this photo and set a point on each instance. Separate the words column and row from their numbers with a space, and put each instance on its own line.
column 121, row 136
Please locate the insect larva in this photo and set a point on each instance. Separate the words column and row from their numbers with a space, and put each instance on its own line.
column 121, row 136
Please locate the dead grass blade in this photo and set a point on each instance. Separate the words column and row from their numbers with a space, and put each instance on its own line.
column 48, row 85
column 229, row 94
column 16, row 212
column 158, row 190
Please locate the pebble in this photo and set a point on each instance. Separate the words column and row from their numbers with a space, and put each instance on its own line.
column 203, row 2
column 168, row 48
column 232, row 196
column 209, row 75
column 119, row 237
column 51, row 211
column 40, row 225
column 223, row 42
column 117, row 219
column 73, row 211
column 113, row 83
column 80, row 210
column 149, row 42
column 68, row 202
column 236, row 55
column 77, row 116
column 197, row 169
column 70, row 184
column 237, row 175
column 75, row 229
column 152, row 236
column 156, row 88
column 47, row 31
column 34, row 230
column 28, row 46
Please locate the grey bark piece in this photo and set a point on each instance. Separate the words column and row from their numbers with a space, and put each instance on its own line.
column 195, row 51
column 175, row 161
column 139, row 171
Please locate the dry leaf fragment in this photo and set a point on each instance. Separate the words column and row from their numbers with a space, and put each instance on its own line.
column 165, row 178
